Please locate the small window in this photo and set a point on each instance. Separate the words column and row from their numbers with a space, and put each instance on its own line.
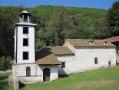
column 25, row 56
column 25, row 30
column 96, row 60
column 25, row 42
column 63, row 64
column 28, row 71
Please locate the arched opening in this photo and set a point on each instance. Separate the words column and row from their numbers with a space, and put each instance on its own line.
column 28, row 71
column 46, row 74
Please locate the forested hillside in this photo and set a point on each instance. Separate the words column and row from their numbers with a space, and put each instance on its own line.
column 58, row 23
column 55, row 24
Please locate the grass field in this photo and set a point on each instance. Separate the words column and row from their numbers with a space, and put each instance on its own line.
column 103, row 79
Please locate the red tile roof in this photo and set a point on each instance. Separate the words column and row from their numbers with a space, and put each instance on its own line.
column 112, row 39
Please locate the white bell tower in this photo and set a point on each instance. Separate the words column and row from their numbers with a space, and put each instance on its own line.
column 24, row 39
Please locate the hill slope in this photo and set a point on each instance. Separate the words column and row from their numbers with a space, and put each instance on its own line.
column 55, row 23
column 88, row 22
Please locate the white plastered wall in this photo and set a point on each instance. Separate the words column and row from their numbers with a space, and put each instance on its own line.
column 21, row 48
column 36, row 72
column 83, row 59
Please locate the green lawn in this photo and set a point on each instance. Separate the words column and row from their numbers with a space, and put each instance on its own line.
column 103, row 79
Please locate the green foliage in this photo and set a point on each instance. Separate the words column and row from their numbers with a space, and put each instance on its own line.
column 113, row 19
column 61, row 25
column 39, row 43
column 5, row 63
column 4, row 81
column 55, row 24
column 8, row 17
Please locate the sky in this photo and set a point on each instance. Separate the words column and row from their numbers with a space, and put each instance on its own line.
column 102, row 4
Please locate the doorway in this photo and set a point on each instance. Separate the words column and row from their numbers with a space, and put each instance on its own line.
column 109, row 63
column 28, row 71
column 46, row 74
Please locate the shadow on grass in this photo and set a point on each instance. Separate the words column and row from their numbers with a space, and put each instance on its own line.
column 63, row 76
column 3, row 82
column 3, row 85
column 21, row 85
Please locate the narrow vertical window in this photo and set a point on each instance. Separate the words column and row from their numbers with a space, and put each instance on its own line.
column 63, row 64
column 25, row 41
column 25, row 18
column 25, row 55
column 96, row 60
column 25, row 30
column 28, row 71
column 109, row 63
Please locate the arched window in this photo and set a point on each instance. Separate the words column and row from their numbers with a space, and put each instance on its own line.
column 28, row 71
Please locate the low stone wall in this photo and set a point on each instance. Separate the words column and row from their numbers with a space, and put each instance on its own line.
column 29, row 80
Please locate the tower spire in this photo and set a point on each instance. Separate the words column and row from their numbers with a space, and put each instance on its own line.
column 24, row 16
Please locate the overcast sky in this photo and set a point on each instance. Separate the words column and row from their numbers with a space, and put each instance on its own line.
column 103, row 4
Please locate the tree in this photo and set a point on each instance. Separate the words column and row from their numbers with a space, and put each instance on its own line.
column 62, row 25
column 39, row 43
column 113, row 19
column 8, row 17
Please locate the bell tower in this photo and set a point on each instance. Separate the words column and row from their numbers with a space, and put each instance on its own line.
column 24, row 39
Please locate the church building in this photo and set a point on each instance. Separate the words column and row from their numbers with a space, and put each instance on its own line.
column 25, row 67
column 47, row 63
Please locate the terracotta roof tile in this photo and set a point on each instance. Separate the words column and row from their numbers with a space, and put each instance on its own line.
column 60, row 50
column 112, row 39
column 48, row 60
column 89, row 43
column 46, row 55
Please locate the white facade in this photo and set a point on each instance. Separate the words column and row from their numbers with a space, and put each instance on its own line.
column 24, row 30
column 19, row 48
column 53, row 71
column 36, row 73
column 84, row 58
column 70, row 64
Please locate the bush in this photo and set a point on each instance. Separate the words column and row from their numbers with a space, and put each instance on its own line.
column 5, row 62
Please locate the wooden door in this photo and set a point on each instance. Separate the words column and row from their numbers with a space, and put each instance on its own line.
column 46, row 74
